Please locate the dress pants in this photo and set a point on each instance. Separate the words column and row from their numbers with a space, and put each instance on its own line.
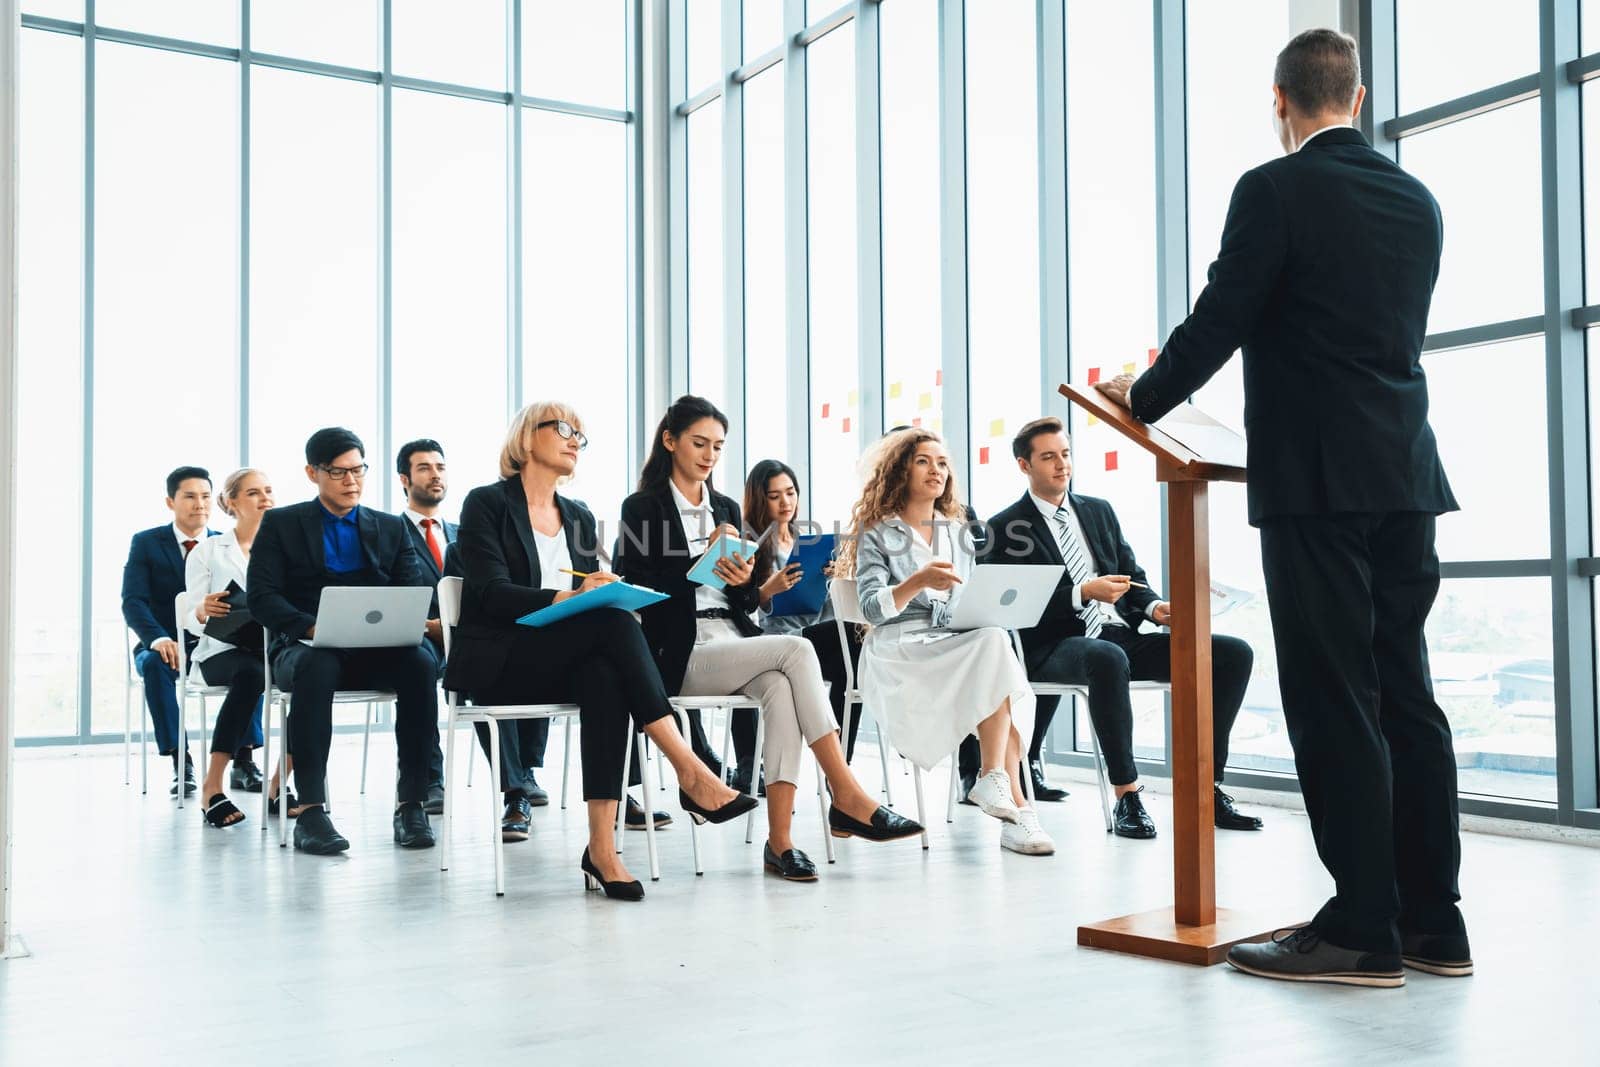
column 779, row 672
column 1349, row 596
column 240, row 713
column 824, row 638
column 312, row 675
column 597, row 660
column 161, row 696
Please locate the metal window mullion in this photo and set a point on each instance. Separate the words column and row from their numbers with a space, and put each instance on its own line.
column 1479, row 103
column 953, row 272
column 1054, row 289
column 797, row 296
column 386, row 241
column 86, row 326
column 514, row 308
column 634, row 359
column 244, row 233
column 1376, row 38
column 733, row 346
column 869, row 222
column 677, row 207
column 1572, row 600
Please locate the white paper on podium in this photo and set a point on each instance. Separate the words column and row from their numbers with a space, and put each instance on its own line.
column 1224, row 598
column 1203, row 435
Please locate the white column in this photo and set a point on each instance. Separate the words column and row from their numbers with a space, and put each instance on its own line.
column 10, row 27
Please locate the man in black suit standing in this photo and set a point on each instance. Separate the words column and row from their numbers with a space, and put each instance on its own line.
column 151, row 581
column 1327, row 266
column 1089, row 632
column 334, row 541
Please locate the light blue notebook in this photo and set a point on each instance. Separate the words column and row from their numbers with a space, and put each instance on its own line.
column 703, row 572
column 614, row 595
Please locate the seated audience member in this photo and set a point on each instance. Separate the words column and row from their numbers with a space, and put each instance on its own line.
column 909, row 552
column 520, row 543
column 706, row 644
column 1089, row 634
column 213, row 565
column 334, row 541
column 151, row 581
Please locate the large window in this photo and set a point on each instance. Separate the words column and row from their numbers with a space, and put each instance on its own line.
column 766, row 337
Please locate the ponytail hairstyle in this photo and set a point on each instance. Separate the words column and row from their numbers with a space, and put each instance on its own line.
column 684, row 413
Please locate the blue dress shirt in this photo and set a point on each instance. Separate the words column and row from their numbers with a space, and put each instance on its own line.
column 341, row 542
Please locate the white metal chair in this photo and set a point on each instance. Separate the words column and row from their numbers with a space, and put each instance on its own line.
column 187, row 687
column 490, row 716
column 135, row 684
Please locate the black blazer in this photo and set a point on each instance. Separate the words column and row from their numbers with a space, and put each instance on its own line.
column 653, row 552
column 500, row 562
column 288, row 573
column 151, row 581
column 1021, row 535
column 1324, row 277
column 425, row 557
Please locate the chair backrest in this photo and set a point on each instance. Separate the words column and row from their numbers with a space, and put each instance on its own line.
column 846, row 601
column 449, row 608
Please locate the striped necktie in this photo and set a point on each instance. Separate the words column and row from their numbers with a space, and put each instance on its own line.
column 1077, row 561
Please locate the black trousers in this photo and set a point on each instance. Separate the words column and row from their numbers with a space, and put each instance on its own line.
column 824, row 637
column 1106, row 664
column 599, row 661
column 436, row 758
column 242, row 673
column 313, row 674
column 1349, row 597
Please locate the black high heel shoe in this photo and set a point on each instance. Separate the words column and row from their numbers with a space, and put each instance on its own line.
column 615, row 890
column 734, row 808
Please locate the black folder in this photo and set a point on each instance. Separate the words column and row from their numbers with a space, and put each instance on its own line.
column 238, row 628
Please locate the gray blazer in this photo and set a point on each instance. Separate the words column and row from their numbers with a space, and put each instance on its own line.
column 885, row 558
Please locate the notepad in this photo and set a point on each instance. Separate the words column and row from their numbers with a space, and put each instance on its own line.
column 611, row 595
column 807, row 597
column 704, row 570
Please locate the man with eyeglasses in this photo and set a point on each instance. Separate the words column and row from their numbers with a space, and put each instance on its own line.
column 334, row 541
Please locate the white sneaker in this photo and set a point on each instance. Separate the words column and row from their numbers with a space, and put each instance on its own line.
column 992, row 793
column 1026, row 836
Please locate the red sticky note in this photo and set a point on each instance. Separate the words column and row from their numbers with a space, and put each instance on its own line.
column 824, row 411
column 1094, row 375
column 983, row 455
column 1111, row 461
column 846, row 421
column 916, row 422
column 938, row 377
column 1154, row 352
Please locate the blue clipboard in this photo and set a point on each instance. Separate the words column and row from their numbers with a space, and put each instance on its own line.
column 614, row 595
column 704, row 570
column 807, row 598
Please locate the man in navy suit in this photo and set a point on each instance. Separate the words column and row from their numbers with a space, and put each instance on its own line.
column 151, row 581
column 334, row 541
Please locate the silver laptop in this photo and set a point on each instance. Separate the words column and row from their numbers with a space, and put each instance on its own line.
column 372, row 616
column 1011, row 596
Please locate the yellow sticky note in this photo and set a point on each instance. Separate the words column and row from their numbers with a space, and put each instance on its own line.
column 894, row 390
column 1094, row 420
column 938, row 425
column 997, row 427
column 925, row 401
column 1127, row 368
column 853, row 396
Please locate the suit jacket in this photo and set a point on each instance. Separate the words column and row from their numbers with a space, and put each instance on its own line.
column 653, row 552
column 452, row 566
column 884, row 559
column 1324, row 278
column 503, row 579
column 1021, row 535
column 288, row 572
column 151, row 581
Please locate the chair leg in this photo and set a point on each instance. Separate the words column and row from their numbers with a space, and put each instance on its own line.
column 449, row 778
column 183, row 735
column 472, row 762
column 127, row 734
column 566, row 759
column 494, row 816
column 822, row 809
column 955, row 778
column 661, row 771
column 694, row 828
column 144, row 753
column 283, row 782
column 366, row 742
column 622, row 805
column 1100, row 779
column 922, row 819
column 755, row 774
column 649, row 812
column 883, row 761
column 727, row 739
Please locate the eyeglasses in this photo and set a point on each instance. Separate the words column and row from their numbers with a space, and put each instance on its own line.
column 339, row 474
column 567, row 431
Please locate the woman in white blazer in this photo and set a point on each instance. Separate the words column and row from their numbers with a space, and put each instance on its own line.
column 910, row 549
column 211, row 566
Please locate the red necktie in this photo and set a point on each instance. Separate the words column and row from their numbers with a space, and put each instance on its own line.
column 433, row 543
column 187, row 546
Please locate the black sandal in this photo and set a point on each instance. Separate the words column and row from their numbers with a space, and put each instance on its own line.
column 272, row 806
column 220, row 811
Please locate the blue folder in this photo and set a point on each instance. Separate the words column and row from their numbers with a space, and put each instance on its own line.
column 807, row 598
column 704, row 570
column 614, row 595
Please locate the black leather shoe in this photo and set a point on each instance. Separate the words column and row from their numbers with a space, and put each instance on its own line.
column 189, row 786
column 1448, row 955
column 740, row 780
column 967, row 782
column 734, row 808
column 535, row 792
column 633, row 817
column 886, row 825
column 613, row 890
column 411, row 826
column 314, row 833
column 1300, row 955
column 1130, row 818
column 434, row 805
column 518, row 818
column 246, row 776
column 792, row 866
column 1043, row 790
column 1230, row 818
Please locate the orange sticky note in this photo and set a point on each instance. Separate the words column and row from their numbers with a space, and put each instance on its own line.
column 983, row 455
column 824, row 411
column 916, row 422
column 846, row 423
column 1094, row 375
column 1111, row 461
column 938, row 376
column 1154, row 352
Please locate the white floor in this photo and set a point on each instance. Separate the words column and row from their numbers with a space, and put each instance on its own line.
column 154, row 939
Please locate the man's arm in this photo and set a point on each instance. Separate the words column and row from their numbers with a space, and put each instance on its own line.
column 136, row 597
column 266, row 583
column 1138, row 603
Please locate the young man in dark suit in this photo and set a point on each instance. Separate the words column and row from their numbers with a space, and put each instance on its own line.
column 1326, row 272
column 334, row 541
column 423, row 478
column 151, row 581
column 1089, row 633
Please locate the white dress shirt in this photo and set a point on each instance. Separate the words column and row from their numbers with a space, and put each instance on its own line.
column 1325, row 129
column 699, row 526
column 1108, row 613
column 417, row 519
column 211, row 565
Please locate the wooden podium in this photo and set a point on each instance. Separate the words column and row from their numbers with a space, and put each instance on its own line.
column 1194, row 929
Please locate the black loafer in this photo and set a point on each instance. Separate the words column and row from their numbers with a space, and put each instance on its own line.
column 411, row 826
column 517, row 820
column 535, row 792
column 967, row 782
column 314, row 833
column 633, row 817
column 886, row 825
column 1448, row 955
column 1043, row 790
column 434, row 805
column 1230, row 818
column 246, row 776
column 1130, row 819
column 792, row 866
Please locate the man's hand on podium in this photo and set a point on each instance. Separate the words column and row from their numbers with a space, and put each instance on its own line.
column 1117, row 388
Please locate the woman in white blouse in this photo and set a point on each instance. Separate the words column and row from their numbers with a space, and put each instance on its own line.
column 910, row 550
column 212, row 565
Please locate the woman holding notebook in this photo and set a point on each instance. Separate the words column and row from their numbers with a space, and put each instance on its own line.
column 706, row 644
column 523, row 547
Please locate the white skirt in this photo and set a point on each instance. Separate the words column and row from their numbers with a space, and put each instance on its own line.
column 933, row 690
